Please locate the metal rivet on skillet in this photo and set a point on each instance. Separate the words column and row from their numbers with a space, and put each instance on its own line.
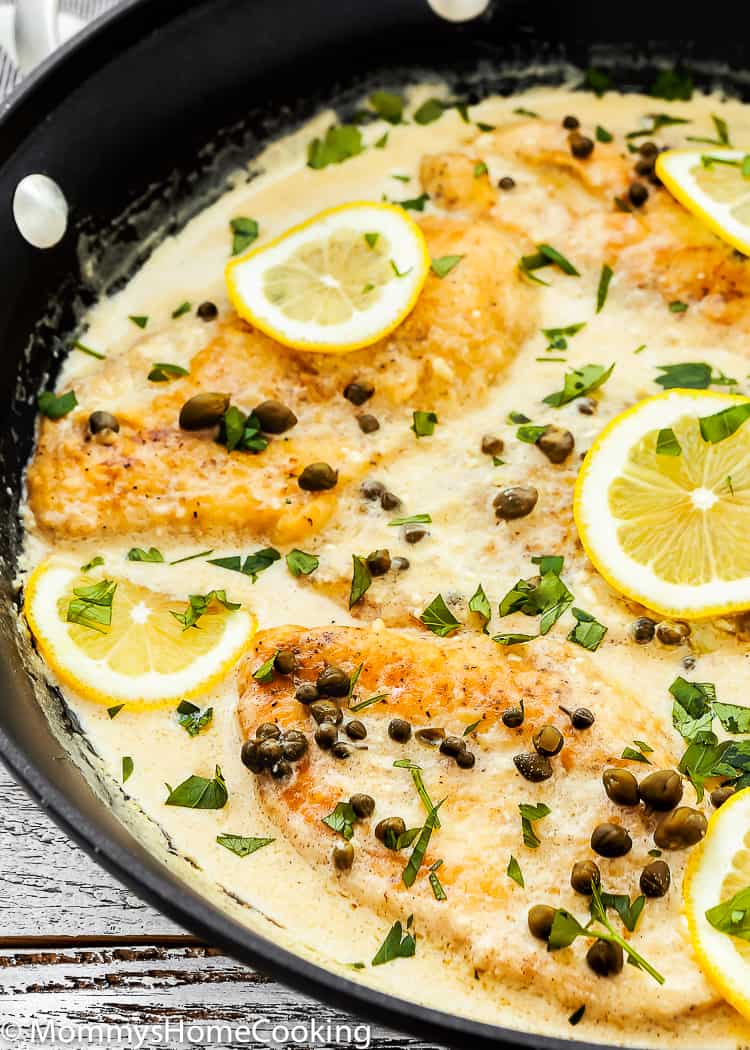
column 40, row 211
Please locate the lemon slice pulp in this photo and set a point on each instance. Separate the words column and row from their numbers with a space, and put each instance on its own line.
column 667, row 530
column 718, row 870
column 143, row 657
column 713, row 184
column 338, row 282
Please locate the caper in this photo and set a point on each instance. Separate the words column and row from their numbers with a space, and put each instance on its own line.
column 517, row 501
column 355, row 730
column 466, row 759
column 343, row 856
column 267, row 731
column 584, row 876
column 358, row 391
column 512, row 717
column 306, row 693
column 611, row 840
column 681, row 828
column 720, row 795
column 492, row 445
column 581, row 146
column 586, row 406
column 661, row 790
column 281, row 769
column 533, row 767
column 556, row 444
column 452, row 746
column 379, row 562
column 688, row 662
column 389, row 831
column 285, row 662
column 203, row 410
column 507, row 182
column 294, row 745
column 621, row 787
column 363, row 805
column 100, row 421
column 644, row 166
column 548, row 741
column 655, row 879
column 207, row 311
column 431, row 735
column 540, row 920
column 270, row 752
column 389, row 501
column 326, row 711
column 642, row 630
column 648, row 149
column 399, row 730
column 250, row 757
column 580, row 718
column 372, row 489
column 400, row 564
column 672, row 632
column 368, row 423
column 274, row 417
column 637, row 194
column 414, row 532
column 571, row 123
column 341, row 749
column 326, row 736
column 605, row 958
column 318, row 477
column 333, row 681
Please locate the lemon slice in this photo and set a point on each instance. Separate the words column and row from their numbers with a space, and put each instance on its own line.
column 718, row 870
column 670, row 531
column 143, row 657
column 338, row 282
column 713, row 184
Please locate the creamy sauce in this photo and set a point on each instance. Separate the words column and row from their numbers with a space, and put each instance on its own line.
column 460, row 552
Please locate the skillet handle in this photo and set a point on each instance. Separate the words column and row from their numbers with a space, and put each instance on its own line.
column 36, row 31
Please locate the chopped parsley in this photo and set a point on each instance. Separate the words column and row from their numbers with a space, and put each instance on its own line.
column 693, row 711
column 413, row 519
column 388, row 106
column 341, row 820
column 545, row 596
column 480, row 168
column 722, row 133
column 340, row 142
column 183, row 308
column 545, row 255
column 139, row 320
column 656, row 121
column 93, row 564
column 410, row 872
column 691, row 375
column 361, row 579
column 113, row 712
column 190, row 557
column 300, row 563
column 638, row 753
column 423, row 423
column 192, row 719
column 442, row 266
column 241, row 432
column 139, row 554
column 557, row 338
column 244, row 233
column 127, row 767
column 672, row 85
column 723, row 424
column 414, row 203
column 437, row 887
column 92, row 606
column 578, row 382
column 603, row 288
column 530, row 432
column 264, row 673
column 602, row 135
column 588, row 632
column 199, row 792
column 368, row 702
column 78, row 345
column 677, row 307
column 667, row 443
column 479, row 604
column 732, row 916
column 577, row 1016
column 597, row 80
column 199, row 604
column 162, row 372
column 430, row 111
column 397, row 945
column 55, row 407
column 252, row 565
column 438, row 617
column 513, row 871
column 242, row 845
column 529, row 816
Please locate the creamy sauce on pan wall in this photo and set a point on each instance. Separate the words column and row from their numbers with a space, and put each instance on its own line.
column 449, row 477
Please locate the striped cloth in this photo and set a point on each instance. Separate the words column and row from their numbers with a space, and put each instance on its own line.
column 83, row 9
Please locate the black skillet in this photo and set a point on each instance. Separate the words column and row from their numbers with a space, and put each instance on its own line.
column 142, row 113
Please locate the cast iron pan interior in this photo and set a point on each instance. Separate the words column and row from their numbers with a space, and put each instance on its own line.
column 143, row 114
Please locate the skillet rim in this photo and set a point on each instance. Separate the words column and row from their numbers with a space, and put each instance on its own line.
column 156, row 886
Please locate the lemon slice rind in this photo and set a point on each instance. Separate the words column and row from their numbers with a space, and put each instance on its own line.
column 407, row 251
column 711, row 862
column 674, row 166
column 94, row 679
column 597, row 528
